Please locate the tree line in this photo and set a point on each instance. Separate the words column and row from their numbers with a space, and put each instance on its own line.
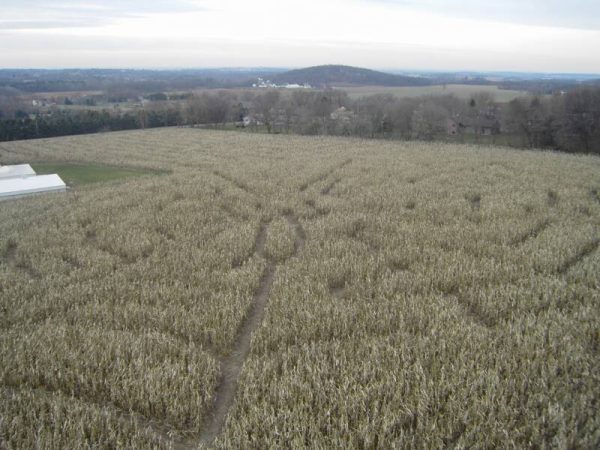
column 568, row 122
column 65, row 123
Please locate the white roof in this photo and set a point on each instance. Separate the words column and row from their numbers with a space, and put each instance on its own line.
column 19, row 170
column 12, row 187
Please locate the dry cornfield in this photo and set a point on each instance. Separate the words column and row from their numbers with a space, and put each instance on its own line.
column 277, row 291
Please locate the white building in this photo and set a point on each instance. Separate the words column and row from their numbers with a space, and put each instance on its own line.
column 20, row 180
column 19, row 170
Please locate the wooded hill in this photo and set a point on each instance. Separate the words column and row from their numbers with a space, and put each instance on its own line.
column 336, row 75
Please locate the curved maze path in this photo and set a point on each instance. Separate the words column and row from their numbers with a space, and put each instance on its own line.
column 232, row 364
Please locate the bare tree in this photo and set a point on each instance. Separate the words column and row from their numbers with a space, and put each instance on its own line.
column 578, row 122
column 11, row 103
column 429, row 120
column 209, row 108
column 530, row 118
column 265, row 104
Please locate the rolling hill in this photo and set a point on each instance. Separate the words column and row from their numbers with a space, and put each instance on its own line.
column 337, row 75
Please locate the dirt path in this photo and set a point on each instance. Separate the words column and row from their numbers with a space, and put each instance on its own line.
column 587, row 250
column 233, row 363
column 239, row 184
column 322, row 176
column 531, row 234
column 327, row 189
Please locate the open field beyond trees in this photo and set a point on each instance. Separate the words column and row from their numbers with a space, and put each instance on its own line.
column 286, row 291
column 462, row 91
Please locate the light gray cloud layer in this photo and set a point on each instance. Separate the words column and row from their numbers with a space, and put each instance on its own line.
column 425, row 34
column 583, row 14
column 51, row 14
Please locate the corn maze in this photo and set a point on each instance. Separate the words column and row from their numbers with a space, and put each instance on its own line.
column 261, row 291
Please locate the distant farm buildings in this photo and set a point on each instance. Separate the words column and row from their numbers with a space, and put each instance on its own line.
column 481, row 126
column 268, row 84
column 20, row 180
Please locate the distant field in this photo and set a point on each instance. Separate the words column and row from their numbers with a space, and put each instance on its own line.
column 60, row 94
column 78, row 174
column 292, row 292
column 464, row 91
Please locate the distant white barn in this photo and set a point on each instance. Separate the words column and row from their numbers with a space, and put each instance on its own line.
column 20, row 180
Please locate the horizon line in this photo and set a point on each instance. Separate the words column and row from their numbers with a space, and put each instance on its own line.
column 390, row 70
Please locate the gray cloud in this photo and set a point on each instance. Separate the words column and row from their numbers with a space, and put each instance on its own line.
column 6, row 25
column 110, row 6
column 584, row 14
column 70, row 13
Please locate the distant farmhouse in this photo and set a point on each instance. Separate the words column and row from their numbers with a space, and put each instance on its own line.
column 342, row 114
column 21, row 180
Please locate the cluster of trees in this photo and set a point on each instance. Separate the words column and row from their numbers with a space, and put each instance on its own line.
column 569, row 122
column 64, row 123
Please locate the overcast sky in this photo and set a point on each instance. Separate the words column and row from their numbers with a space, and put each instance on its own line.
column 515, row 35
